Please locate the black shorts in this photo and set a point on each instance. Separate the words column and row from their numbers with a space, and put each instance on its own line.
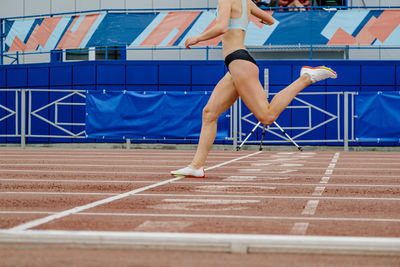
column 239, row 54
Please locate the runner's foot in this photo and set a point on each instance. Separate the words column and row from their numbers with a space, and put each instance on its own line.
column 189, row 172
column 318, row 73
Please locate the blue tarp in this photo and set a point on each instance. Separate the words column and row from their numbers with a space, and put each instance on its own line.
column 148, row 115
column 378, row 116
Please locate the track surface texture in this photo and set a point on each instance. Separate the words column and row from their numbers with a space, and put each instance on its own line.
column 268, row 208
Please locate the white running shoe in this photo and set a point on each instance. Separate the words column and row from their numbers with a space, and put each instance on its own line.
column 189, row 172
column 318, row 73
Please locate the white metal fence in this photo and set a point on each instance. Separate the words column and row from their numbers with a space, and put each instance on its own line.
column 23, row 114
column 25, row 110
column 342, row 117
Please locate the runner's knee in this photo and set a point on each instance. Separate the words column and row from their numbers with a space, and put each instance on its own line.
column 209, row 115
column 267, row 119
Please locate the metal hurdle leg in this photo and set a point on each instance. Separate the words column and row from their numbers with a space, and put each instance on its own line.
column 266, row 89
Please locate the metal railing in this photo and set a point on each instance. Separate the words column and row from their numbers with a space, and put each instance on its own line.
column 344, row 122
column 26, row 115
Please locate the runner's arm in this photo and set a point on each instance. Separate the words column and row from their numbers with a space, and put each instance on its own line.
column 261, row 14
column 220, row 27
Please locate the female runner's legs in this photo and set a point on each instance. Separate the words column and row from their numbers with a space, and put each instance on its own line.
column 241, row 80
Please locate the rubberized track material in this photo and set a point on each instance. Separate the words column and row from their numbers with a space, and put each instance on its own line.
column 315, row 208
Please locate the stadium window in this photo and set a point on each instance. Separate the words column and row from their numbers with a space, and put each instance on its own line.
column 108, row 53
column 331, row 2
column 76, row 54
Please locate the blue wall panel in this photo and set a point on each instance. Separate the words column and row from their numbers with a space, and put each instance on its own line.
column 192, row 76
column 17, row 77
column 142, row 74
column 111, row 73
column 61, row 75
column 174, row 88
column 142, row 88
column 3, row 83
column 279, row 74
column 378, row 74
column 84, row 74
column 175, row 73
column 38, row 77
column 377, row 88
column 348, row 74
column 207, row 74
column 110, row 87
column 208, row 88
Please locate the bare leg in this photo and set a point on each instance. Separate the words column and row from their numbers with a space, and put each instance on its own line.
column 223, row 96
column 245, row 76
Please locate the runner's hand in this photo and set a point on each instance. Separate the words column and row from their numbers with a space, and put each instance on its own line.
column 191, row 41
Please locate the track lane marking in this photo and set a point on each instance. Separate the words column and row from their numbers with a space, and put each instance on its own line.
column 299, row 228
column 230, row 196
column 239, row 182
column 274, row 196
column 312, row 205
column 65, row 213
column 318, row 191
column 250, row 217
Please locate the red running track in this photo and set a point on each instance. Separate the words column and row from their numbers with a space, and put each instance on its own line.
column 313, row 193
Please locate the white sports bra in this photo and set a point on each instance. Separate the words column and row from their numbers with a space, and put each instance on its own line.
column 242, row 22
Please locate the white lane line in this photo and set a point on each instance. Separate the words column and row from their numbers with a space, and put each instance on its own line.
column 75, row 181
column 242, row 189
column 211, row 201
column 59, row 193
column 107, row 156
column 240, row 181
column 3, row 171
column 75, row 210
column 315, row 161
column 310, row 207
column 325, row 180
column 219, row 216
column 282, row 170
column 25, row 212
column 299, row 228
column 160, row 226
column 62, row 214
column 233, row 160
column 224, row 173
column 80, row 165
column 274, row 197
column 222, row 196
column 318, row 191
column 213, row 205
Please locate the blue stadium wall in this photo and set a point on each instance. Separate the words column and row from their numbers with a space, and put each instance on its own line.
column 359, row 76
